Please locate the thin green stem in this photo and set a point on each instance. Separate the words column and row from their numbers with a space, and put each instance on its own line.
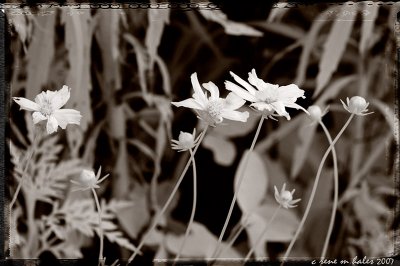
column 314, row 189
column 159, row 215
column 246, row 161
column 100, row 227
column 335, row 191
column 193, row 207
column 261, row 236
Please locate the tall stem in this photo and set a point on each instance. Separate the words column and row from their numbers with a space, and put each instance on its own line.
column 335, row 191
column 238, row 186
column 260, row 237
column 193, row 207
column 159, row 215
column 100, row 227
column 314, row 189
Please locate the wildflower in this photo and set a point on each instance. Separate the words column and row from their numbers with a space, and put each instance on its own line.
column 186, row 141
column 88, row 180
column 316, row 113
column 356, row 105
column 47, row 106
column 213, row 109
column 266, row 97
column 285, row 198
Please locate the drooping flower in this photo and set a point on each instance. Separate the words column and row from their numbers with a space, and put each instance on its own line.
column 285, row 197
column 356, row 105
column 213, row 109
column 47, row 106
column 186, row 141
column 88, row 180
column 265, row 97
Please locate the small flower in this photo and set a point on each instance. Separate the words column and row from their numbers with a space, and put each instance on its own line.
column 285, row 198
column 88, row 180
column 47, row 106
column 316, row 113
column 266, row 97
column 213, row 109
column 356, row 105
column 186, row 141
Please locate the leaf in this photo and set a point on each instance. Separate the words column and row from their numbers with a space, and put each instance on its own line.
column 224, row 151
column 306, row 136
column 254, row 184
column 281, row 229
column 334, row 88
column 40, row 54
column 158, row 18
column 78, row 37
column 333, row 49
column 200, row 244
column 369, row 14
column 231, row 27
column 118, row 238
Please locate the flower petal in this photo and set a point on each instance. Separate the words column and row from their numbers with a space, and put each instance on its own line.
column 37, row 117
column 26, row 104
column 235, row 115
column 296, row 106
column 67, row 116
column 41, row 99
column 189, row 103
column 248, row 87
column 60, row 98
column 198, row 91
column 240, row 91
column 52, row 124
column 233, row 101
column 262, row 106
column 213, row 89
column 256, row 81
column 290, row 93
column 279, row 107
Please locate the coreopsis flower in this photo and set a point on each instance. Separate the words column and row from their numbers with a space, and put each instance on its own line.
column 356, row 105
column 47, row 106
column 88, row 180
column 285, row 197
column 213, row 109
column 265, row 97
column 186, row 141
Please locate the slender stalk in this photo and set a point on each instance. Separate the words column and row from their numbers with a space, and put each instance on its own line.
column 314, row 189
column 260, row 237
column 335, row 191
column 100, row 227
column 238, row 186
column 193, row 207
column 32, row 230
column 159, row 215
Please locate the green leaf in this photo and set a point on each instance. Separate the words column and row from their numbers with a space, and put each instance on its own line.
column 254, row 184
column 334, row 48
column 224, row 150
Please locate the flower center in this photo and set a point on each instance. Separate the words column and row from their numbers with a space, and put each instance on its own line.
column 214, row 108
column 268, row 95
column 46, row 108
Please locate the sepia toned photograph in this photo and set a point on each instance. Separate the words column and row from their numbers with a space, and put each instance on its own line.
column 200, row 133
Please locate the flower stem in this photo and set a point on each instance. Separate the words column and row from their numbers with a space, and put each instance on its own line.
column 193, row 207
column 16, row 193
column 314, row 189
column 100, row 228
column 335, row 193
column 238, row 186
column 159, row 215
column 260, row 237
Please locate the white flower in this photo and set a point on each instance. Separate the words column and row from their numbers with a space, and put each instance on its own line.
column 266, row 97
column 47, row 107
column 186, row 141
column 285, row 198
column 356, row 105
column 213, row 109
column 88, row 180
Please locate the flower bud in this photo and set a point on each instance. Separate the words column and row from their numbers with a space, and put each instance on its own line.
column 356, row 105
column 186, row 139
column 315, row 113
column 88, row 178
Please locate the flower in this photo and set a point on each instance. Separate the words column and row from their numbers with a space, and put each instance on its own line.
column 88, row 180
column 47, row 107
column 285, row 198
column 213, row 109
column 186, row 141
column 356, row 105
column 315, row 113
column 266, row 97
